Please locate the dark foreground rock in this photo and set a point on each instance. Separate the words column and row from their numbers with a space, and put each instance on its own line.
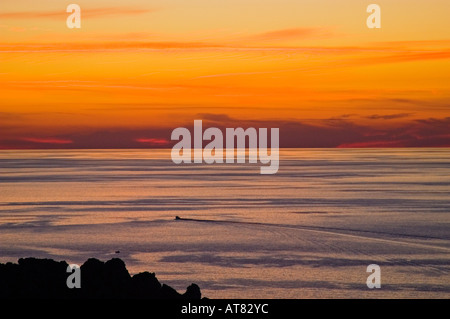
column 46, row 278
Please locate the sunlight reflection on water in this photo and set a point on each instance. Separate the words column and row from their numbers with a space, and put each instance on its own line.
column 308, row 231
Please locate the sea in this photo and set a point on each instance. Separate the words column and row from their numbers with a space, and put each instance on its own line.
column 311, row 230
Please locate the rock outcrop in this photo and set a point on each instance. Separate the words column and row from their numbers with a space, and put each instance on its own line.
column 46, row 278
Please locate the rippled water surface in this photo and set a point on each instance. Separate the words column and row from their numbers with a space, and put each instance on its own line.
column 309, row 231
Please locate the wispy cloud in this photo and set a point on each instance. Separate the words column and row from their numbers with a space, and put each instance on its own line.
column 407, row 56
column 214, row 117
column 153, row 141
column 373, row 144
column 86, row 13
column 290, row 34
column 47, row 140
column 435, row 122
column 388, row 117
column 344, row 133
column 414, row 43
column 101, row 46
column 343, row 56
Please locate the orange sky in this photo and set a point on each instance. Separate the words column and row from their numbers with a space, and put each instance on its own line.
column 138, row 69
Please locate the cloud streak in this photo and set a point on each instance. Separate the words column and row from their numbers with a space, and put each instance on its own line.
column 343, row 132
column 342, row 56
column 388, row 117
column 403, row 57
column 153, row 141
column 86, row 13
column 101, row 46
column 291, row 34
column 47, row 140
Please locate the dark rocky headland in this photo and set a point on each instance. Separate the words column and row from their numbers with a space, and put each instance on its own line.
column 46, row 278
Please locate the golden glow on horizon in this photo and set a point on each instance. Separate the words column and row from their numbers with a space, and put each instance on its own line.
column 163, row 63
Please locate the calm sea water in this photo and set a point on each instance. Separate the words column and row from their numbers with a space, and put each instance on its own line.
column 310, row 231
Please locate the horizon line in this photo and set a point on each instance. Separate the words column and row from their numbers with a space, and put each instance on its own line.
column 169, row 148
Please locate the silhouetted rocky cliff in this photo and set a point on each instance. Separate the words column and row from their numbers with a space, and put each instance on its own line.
column 46, row 278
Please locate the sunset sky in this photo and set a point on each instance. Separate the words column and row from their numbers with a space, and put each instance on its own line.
column 138, row 69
